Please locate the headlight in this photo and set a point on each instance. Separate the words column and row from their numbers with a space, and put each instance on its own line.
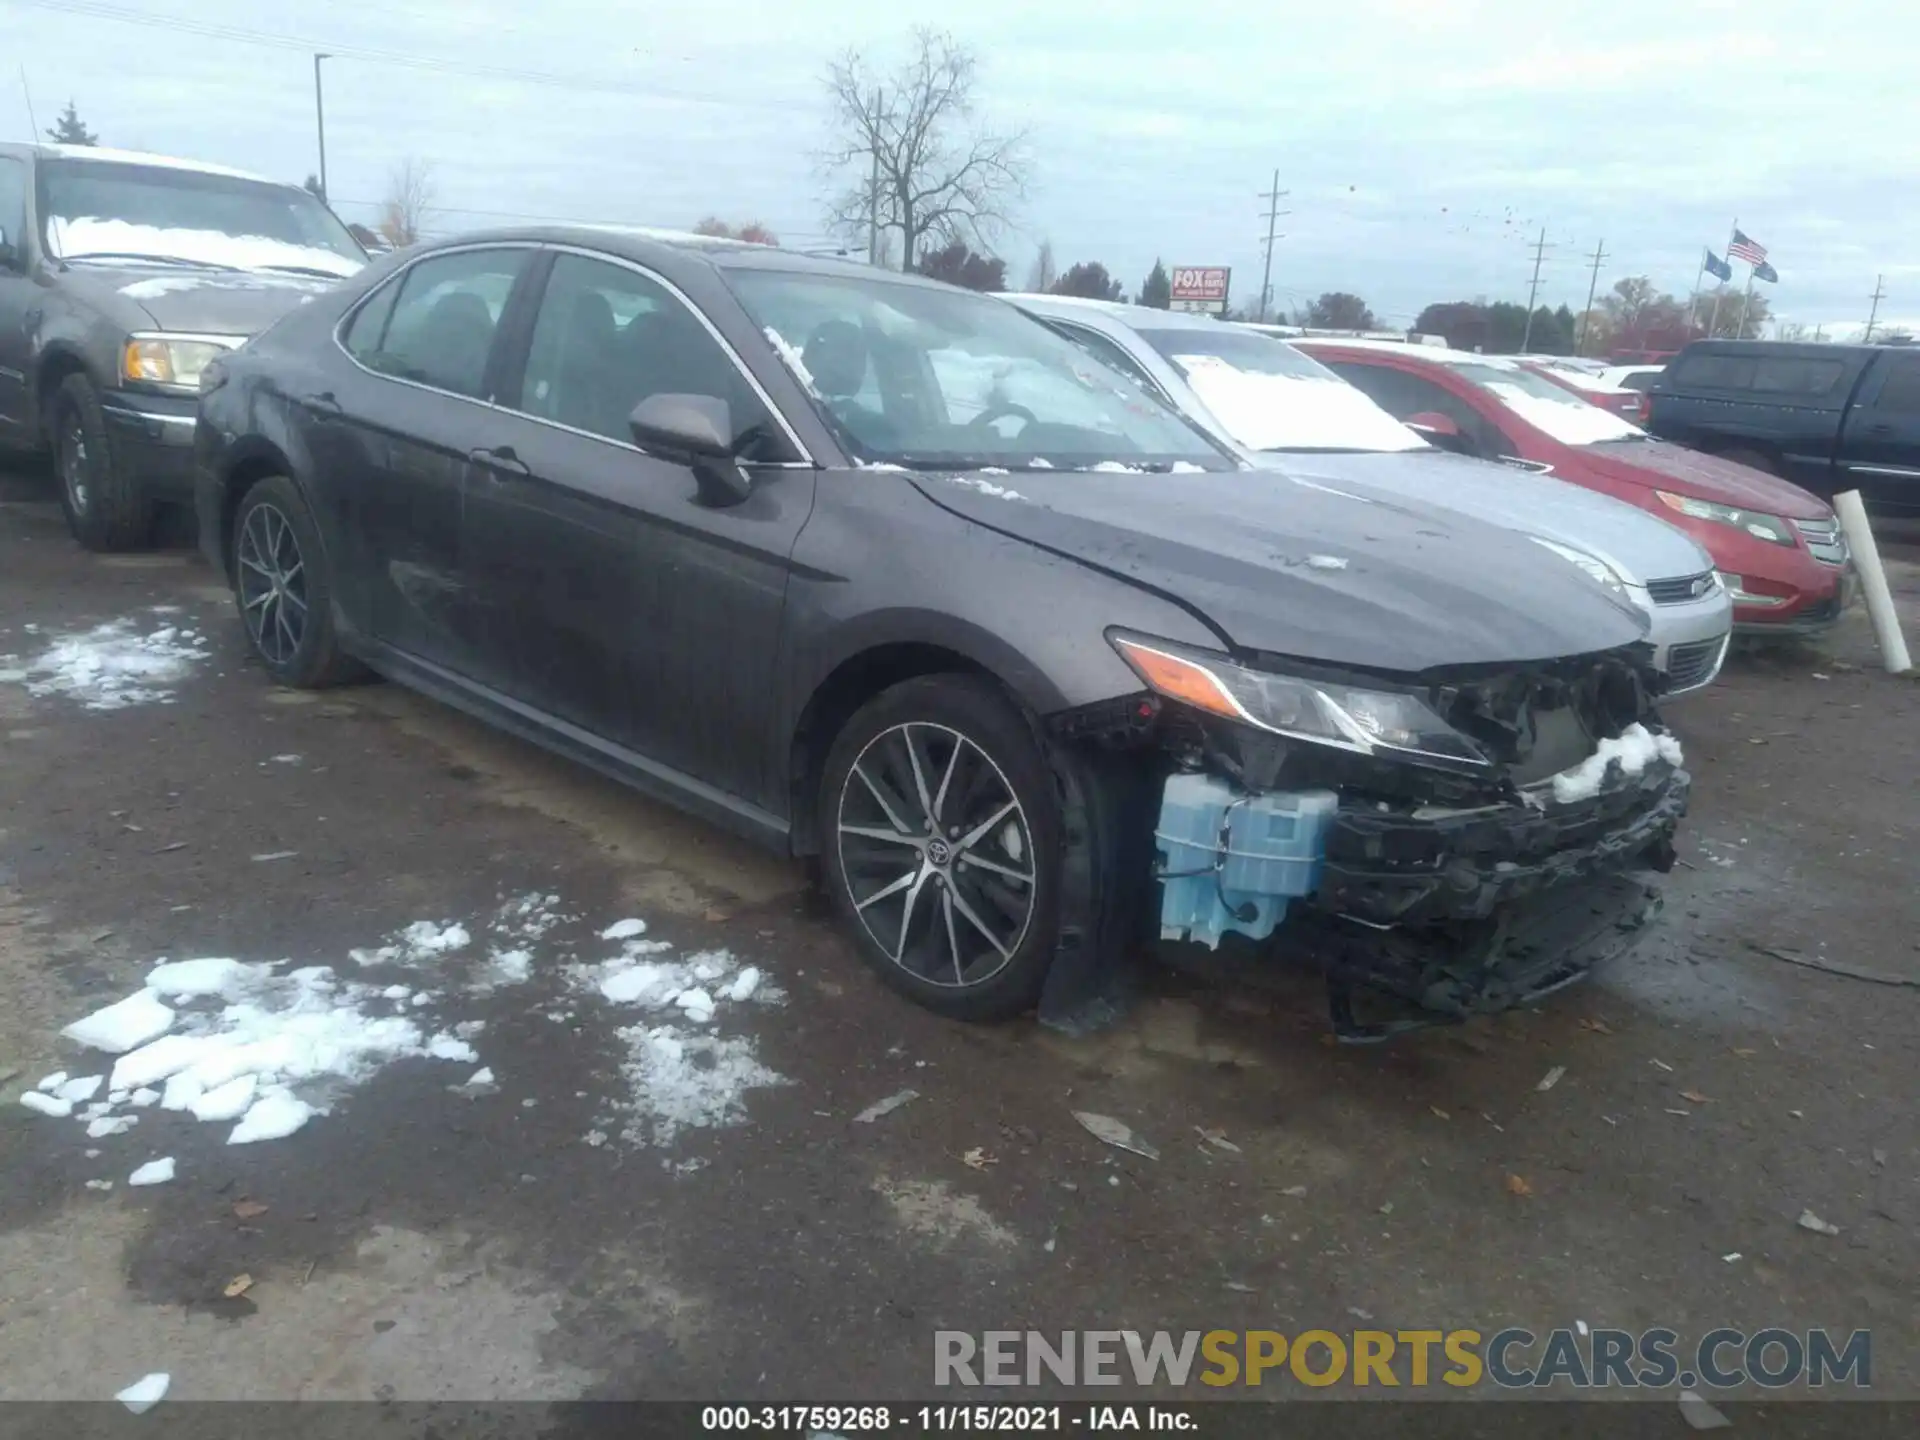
column 172, row 361
column 1347, row 717
column 1603, row 574
column 1761, row 527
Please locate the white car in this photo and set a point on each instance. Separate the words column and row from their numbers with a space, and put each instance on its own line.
column 1288, row 412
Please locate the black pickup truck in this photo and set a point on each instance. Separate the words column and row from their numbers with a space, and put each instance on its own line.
column 1827, row 417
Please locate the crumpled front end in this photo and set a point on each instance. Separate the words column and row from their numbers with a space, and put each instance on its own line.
column 1461, row 872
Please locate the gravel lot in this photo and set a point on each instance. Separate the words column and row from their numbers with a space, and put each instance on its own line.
column 596, row 1221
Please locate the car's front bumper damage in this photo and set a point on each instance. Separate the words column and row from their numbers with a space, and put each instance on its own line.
column 1453, row 898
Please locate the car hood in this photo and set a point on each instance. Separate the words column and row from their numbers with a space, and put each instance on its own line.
column 1292, row 567
column 1639, row 546
column 1660, row 466
column 207, row 302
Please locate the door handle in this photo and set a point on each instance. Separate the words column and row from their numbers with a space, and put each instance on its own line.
column 1882, row 428
column 325, row 402
column 499, row 457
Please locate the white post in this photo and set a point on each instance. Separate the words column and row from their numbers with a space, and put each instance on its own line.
column 1873, row 582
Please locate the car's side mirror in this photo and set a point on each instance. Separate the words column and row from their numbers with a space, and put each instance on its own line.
column 1440, row 430
column 695, row 431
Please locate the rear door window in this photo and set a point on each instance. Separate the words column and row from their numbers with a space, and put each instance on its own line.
column 1900, row 391
column 439, row 329
column 1761, row 374
column 13, row 204
column 608, row 337
column 1402, row 394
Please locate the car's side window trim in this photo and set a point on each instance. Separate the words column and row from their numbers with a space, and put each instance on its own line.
column 399, row 277
column 516, row 359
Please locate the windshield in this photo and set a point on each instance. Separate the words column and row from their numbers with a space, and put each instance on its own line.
column 1547, row 406
column 1271, row 397
column 172, row 215
column 932, row 378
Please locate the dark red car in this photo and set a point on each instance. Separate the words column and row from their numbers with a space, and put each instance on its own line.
column 1777, row 547
column 1627, row 404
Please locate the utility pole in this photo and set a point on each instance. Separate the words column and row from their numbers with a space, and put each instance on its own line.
column 1879, row 294
column 320, row 119
column 1273, row 198
column 1540, row 249
column 1599, row 254
column 873, row 186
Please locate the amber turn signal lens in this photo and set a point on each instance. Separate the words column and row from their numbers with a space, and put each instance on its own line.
column 1179, row 679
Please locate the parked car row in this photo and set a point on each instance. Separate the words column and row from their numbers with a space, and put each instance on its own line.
column 1044, row 632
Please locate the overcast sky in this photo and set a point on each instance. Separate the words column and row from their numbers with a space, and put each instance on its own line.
column 1425, row 143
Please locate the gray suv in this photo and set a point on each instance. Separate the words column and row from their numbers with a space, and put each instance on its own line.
column 121, row 276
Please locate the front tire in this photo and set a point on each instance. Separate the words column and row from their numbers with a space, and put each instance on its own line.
column 941, row 835
column 106, row 508
column 284, row 587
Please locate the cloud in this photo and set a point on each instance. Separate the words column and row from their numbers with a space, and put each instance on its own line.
column 1426, row 143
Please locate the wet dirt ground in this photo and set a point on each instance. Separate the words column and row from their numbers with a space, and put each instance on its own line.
column 430, row 1240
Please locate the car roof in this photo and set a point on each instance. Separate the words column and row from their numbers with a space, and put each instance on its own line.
column 1435, row 353
column 103, row 155
column 1134, row 317
column 1795, row 349
column 651, row 245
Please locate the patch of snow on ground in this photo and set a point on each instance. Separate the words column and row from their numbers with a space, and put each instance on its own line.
column 114, row 665
column 122, row 1026
column 1636, row 748
column 244, row 1036
column 680, row 1073
column 681, row 1080
column 154, row 1172
column 145, row 1393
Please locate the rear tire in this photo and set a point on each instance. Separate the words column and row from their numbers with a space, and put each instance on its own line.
column 284, row 588
column 958, row 911
column 106, row 508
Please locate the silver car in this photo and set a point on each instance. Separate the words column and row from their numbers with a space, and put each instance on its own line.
column 1287, row 412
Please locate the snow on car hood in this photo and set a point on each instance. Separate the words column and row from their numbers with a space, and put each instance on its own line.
column 1637, row 545
column 74, row 238
column 1661, row 466
column 210, row 302
column 1300, row 569
column 1267, row 411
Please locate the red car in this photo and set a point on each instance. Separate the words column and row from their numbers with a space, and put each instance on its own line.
column 1778, row 549
column 1627, row 404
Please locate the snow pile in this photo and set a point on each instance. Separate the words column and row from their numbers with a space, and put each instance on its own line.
column 1270, row 410
column 985, row 487
column 239, row 1038
column 1636, row 748
column 448, row 946
column 76, row 237
column 681, row 1074
column 113, row 665
column 794, row 361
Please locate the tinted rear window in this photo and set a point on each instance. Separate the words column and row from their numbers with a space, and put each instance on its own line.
column 1762, row 374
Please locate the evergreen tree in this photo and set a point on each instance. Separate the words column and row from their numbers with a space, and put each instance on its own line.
column 69, row 129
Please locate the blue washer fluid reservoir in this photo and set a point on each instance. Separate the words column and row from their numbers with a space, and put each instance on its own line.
column 1231, row 860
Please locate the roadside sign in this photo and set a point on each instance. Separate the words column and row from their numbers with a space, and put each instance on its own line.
column 1200, row 288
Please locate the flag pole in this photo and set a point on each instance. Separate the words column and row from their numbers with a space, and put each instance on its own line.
column 1746, row 300
column 1693, row 303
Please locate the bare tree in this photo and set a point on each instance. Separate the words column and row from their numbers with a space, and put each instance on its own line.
column 921, row 162
column 409, row 194
column 1044, row 272
column 753, row 231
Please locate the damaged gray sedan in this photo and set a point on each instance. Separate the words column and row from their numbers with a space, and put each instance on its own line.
column 885, row 573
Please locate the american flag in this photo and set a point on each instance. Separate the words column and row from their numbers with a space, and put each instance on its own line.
column 1743, row 248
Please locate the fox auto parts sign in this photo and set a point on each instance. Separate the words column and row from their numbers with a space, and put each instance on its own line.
column 1201, row 287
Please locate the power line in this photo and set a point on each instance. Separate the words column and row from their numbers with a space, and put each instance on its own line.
column 243, row 36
